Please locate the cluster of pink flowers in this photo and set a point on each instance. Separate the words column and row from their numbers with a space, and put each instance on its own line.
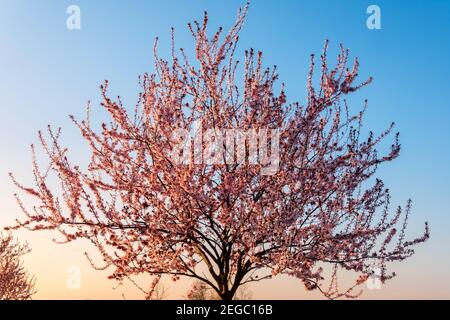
column 15, row 282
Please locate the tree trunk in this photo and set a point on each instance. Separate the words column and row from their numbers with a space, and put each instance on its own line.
column 227, row 296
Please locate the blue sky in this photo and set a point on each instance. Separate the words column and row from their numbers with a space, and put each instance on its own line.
column 48, row 72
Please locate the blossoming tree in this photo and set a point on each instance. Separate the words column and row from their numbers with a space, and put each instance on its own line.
column 15, row 282
column 223, row 222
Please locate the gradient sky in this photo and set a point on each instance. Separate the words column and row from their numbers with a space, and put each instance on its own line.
column 48, row 72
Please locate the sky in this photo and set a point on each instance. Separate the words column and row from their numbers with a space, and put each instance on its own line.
column 48, row 72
